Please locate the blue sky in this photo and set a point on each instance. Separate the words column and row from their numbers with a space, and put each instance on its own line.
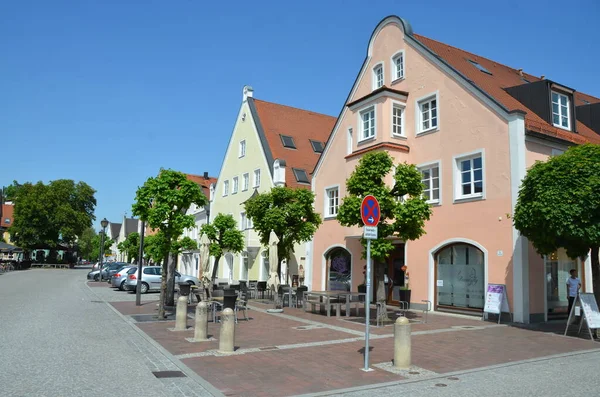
column 109, row 91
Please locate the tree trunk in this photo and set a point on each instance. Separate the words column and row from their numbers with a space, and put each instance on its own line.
column 170, row 300
column 381, row 297
column 595, row 272
column 214, row 272
column 163, row 288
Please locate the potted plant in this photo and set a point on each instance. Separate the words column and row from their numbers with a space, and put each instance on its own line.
column 405, row 289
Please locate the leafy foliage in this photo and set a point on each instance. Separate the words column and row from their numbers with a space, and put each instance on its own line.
column 403, row 208
column 162, row 202
column 10, row 191
column 224, row 236
column 86, row 243
column 96, row 243
column 130, row 246
column 559, row 205
column 48, row 215
column 289, row 213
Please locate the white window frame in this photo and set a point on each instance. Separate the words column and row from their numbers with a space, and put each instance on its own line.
column 327, row 207
column 243, row 220
column 370, row 108
column 375, row 76
column 225, row 188
column 457, row 178
column 235, row 185
column 244, row 265
column 242, row 151
column 429, row 166
column 560, row 115
column 402, row 107
column 245, row 181
column 419, row 113
column 556, row 152
column 395, row 76
column 256, row 179
column 249, row 223
column 349, row 141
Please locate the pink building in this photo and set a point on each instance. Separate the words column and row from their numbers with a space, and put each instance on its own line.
column 473, row 127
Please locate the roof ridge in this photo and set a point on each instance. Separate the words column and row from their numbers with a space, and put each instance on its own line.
column 295, row 108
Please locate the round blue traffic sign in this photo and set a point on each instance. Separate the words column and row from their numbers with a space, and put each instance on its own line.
column 369, row 211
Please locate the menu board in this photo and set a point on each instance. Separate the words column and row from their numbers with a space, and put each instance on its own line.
column 590, row 310
column 495, row 299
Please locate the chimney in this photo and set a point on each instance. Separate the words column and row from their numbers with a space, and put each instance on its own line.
column 542, row 77
column 248, row 92
column 520, row 72
column 205, row 175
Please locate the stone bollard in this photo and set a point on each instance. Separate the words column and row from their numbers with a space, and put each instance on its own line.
column 402, row 343
column 201, row 328
column 227, row 335
column 181, row 314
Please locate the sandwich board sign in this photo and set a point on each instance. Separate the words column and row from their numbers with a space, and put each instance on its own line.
column 496, row 301
column 585, row 303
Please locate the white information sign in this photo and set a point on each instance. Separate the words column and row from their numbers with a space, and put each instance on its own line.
column 370, row 232
column 440, row 283
column 496, row 301
column 591, row 314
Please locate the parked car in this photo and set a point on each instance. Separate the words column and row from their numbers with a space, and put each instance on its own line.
column 118, row 279
column 151, row 279
column 114, row 268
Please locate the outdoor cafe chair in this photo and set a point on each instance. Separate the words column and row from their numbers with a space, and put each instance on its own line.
column 261, row 287
column 300, row 291
column 216, row 305
column 241, row 304
column 252, row 289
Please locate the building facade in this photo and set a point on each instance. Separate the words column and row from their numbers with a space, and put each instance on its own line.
column 473, row 127
column 271, row 145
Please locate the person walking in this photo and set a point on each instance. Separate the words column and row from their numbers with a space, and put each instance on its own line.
column 573, row 287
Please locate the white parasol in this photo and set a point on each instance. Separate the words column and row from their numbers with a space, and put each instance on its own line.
column 273, row 277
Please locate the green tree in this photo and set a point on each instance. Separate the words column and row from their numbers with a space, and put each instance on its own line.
column 85, row 243
column 224, row 236
column 162, row 202
column 403, row 208
column 559, row 206
column 130, row 247
column 96, row 243
column 10, row 191
column 289, row 213
column 53, row 214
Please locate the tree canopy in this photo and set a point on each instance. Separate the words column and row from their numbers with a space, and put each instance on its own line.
column 224, row 236
column 52, row 214
column 86, row 244
column 403, row 208
column 289, row 213
column 10, row 191
column 130, row 246
column 162, row 202
column 96, row 243
column 559, row 205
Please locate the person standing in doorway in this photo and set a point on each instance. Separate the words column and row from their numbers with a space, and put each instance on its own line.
column 573, row 286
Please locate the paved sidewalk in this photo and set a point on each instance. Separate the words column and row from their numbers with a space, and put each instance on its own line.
column 296, row 353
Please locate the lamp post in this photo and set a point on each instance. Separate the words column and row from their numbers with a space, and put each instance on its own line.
column 104, row 224
column 138, row 290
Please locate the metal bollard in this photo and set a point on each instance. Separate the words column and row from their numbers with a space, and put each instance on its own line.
column 201, row 328
column 402, row 348
column 227, row 335
column 181, row 314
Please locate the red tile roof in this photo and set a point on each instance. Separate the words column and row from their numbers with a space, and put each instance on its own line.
column 7, row 213
column 302, row 126
column 502, row 77
column 203, row 182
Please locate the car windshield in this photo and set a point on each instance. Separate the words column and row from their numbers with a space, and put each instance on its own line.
column 132, row 270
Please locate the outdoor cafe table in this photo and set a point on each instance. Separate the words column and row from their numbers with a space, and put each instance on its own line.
column 339, row 295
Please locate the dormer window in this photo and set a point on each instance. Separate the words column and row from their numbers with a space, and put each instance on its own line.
column 560, row 111
column 317, row 146
column 301, row 175
column 378, row 76
column 7, row 221
column 288, row 141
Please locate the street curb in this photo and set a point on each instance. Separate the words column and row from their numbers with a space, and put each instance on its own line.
column 446, row 375
column 184, row 368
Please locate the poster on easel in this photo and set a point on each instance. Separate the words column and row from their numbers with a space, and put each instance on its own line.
column 586, row 307
column 496, row 301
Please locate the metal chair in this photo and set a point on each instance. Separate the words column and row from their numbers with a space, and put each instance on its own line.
column 252, row 289
column 241, row 304
column 261, row 287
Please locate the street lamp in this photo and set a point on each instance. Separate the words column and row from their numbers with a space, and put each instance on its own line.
column 104, row 224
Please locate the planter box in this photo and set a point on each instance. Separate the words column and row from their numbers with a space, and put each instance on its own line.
column 405, row 296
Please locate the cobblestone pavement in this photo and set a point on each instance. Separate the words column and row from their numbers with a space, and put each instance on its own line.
column 59, row 338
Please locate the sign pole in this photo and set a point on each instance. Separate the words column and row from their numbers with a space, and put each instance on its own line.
column 368, row 306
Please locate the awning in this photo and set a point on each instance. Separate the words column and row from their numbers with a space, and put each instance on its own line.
column 4, row 247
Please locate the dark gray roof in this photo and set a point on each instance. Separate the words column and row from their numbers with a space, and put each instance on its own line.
column 131, row 226
column 115, row 229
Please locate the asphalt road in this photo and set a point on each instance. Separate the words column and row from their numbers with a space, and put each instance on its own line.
column 59, row 339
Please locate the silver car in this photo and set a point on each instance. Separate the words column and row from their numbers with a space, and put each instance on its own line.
column 118, row 279
column 151, row 279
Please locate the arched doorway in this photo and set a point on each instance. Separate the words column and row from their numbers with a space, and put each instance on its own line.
column 339, row 269
column 460, row 277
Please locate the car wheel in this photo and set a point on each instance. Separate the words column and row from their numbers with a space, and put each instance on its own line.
column 122, row 286
column 190, row 282
column 144, row 288
column 96, row 277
